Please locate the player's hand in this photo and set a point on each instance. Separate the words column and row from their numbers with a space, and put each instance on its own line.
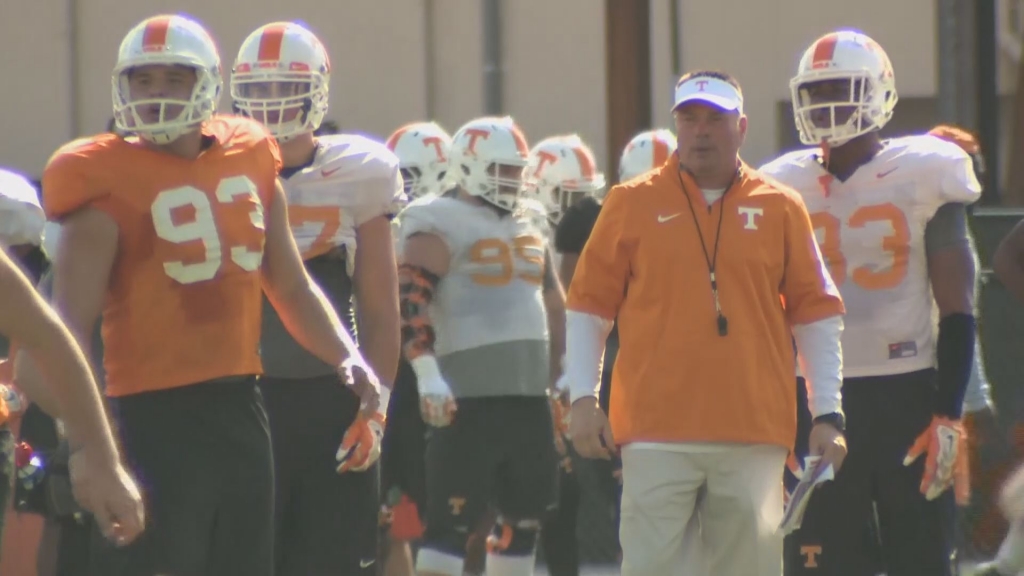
column 16, row 401
column 103, row 487
column 558, row 400
column 437, row 403
column 360, row 447
column 827, row 442
column 590, row 430
column 358, row 376
column 944, row 444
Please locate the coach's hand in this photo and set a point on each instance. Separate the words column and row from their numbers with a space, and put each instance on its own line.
column 360, row 447
column 590, row 430
column 362, row 380
column 103, row 487
column 829, row 443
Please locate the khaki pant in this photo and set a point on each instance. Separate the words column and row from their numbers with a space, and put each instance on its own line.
column 740, row 508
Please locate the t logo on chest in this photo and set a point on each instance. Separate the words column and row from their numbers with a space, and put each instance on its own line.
column 750, row 216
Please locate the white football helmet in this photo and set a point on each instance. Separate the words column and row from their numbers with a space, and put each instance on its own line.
column 863, row 103
column 645, row 152
column 422, row 149
column 561, row 170
column 487, row 160
column 167, row 40
column 21, row 216
column 281, row 78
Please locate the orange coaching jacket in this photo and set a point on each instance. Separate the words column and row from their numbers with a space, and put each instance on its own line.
column 675, row 379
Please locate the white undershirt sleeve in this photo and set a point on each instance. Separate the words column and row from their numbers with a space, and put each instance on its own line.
column 821, row 362
column 585, row 336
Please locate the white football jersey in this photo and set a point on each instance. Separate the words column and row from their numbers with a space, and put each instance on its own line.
column 871, row 231
column 351, row 180
column 488, row 313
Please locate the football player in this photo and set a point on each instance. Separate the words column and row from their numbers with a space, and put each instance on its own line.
column 422, row 149
column 562, row 172
column 483, row 317
column 891, row 221
column 341, row 191
column 174, row 234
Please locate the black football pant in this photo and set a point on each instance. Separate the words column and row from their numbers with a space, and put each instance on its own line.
column 202, row 456
column 873, row 517
column 325, row 522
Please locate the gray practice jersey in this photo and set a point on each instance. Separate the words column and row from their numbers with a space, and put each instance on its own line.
column 488, row 313
column 351, row 180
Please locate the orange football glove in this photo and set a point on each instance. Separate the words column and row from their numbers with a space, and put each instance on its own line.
column 360, row 447
column 944, row 443
column 559, row 404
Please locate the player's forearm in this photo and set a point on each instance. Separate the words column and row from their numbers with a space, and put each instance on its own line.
column 30, row 380
column 67, row 386
column 586, row 335
column 821, row 362
column 379, row 338
column 311, row 319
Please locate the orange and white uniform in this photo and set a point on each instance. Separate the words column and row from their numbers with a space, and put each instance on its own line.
column 871, row 229
column 184, row 301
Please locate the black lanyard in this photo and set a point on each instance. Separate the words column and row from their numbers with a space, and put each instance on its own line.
column 712, row 260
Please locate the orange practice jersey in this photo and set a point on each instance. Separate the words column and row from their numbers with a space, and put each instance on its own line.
column 183, row 303
column 675, row 379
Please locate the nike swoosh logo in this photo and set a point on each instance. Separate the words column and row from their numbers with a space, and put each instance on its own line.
column 366, row 563
column 887, row 172
column 663, row 219
column 326, row 173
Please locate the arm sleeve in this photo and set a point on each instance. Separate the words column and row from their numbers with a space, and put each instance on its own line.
column 821, row 362
column 599, row 284
column 807, row 288
column 382, row 192
column 584, row 353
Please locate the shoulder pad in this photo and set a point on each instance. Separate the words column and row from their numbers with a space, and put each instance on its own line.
column 71, row 177
column 21, row 217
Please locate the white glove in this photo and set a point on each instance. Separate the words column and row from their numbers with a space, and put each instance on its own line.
column 437, row 403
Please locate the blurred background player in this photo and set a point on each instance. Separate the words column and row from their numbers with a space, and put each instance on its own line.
column 561, row 172
column 481, row 344
column 342, row 191
column 174, row 235
column 891, row 221
column 21, row 235
column 422, row 149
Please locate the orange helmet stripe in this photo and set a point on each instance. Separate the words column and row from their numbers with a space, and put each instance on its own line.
column 660, row 151
column 270, row 43
column 154, row 37
column 394, row 138
column 824, row 50
column 586, row 163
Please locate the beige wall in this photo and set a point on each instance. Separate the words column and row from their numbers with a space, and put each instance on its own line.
column 554, row 69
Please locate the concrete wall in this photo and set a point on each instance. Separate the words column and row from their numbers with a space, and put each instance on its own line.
column 401, row 60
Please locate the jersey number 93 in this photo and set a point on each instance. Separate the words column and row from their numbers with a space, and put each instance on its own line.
column 187, row 216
